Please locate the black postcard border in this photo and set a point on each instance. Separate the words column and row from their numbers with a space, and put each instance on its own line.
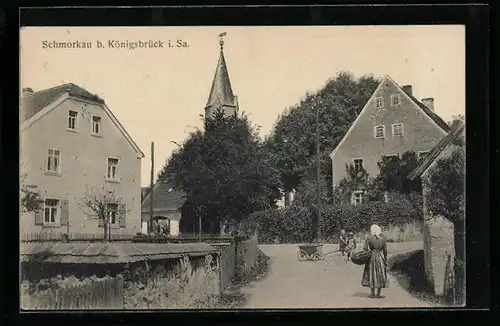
column 476, row 19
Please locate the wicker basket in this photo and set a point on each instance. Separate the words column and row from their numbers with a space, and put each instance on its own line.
column 361, row 257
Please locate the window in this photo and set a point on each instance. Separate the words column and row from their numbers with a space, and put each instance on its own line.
column 357, row 197
column 379, row 131
column 358, row 164
column 112, row 169
column 72, row 120
column 112, row 210
column 395, row 100
column 397, row 129
column 96, row 125
column 422, row 154
column 379, row 102
column 51, row 211
column 54, row 160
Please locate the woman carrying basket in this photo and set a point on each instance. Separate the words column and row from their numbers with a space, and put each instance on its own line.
column 375, row 272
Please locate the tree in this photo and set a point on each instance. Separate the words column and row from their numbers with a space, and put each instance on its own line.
column 104, row 205
column 225, row 171
column 355, row 179
column 394, row 171
column 294, row 135
column 393, row 180
column 30, row 194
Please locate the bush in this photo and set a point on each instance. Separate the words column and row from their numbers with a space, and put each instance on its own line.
column 400, row 211
column 287, row 225
column 400, row 220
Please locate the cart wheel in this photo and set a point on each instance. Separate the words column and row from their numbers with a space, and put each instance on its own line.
column 301, row 255
column 317, row 256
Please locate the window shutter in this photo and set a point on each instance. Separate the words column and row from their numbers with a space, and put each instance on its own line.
column 39, row 213
column 64, row 212
column 122, row 215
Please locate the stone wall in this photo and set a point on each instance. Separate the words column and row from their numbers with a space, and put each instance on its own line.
column 247, row 254
column 438, row 244
column 189, row 282
column 227, row 253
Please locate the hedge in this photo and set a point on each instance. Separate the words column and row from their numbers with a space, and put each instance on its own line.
column 287, row 225
column 295, row 224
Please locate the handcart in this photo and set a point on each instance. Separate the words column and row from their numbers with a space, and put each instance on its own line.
column 310, row 251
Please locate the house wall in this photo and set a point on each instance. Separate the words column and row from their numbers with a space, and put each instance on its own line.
column 173, row 216
column 420, row 133
column 83, row 163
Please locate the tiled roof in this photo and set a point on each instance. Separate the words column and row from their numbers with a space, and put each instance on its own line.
column 436, row 118
column 456, row 131
column 110, row 253
column 33, row 103
column 165, row 198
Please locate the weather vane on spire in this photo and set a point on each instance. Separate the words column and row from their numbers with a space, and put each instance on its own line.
column 221, row 41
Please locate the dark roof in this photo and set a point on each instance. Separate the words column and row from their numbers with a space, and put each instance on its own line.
column 165, row 198
column 457, row 130
column 436, row 118
column 33, row 103
column 144, row 192
column 221, row 93
column 110, row 253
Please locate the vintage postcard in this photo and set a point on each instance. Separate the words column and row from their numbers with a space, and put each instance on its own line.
column 242, row 167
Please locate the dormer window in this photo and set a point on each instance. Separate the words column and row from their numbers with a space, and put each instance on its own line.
column 72, row 120
column 379, row 102
column 395, row 100
column 96, row 125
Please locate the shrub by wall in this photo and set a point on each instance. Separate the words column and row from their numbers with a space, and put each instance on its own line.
column 189, row 283
column 287, row 225
column 247, row 252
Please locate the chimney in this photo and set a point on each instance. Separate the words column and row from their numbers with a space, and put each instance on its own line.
column 27, row 91
column 429, row 103
column 408, row 89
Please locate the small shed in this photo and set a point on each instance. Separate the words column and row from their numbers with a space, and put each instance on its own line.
column 438, row 231
column 167, row 205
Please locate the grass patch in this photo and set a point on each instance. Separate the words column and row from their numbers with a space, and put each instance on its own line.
column 408, row 268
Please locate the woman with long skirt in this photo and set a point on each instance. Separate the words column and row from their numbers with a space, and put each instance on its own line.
column 375, row 272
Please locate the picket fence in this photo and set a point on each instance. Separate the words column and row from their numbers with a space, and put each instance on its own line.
column 102, row 294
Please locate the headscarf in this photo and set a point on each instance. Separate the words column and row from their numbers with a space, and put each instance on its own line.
column 375, row 230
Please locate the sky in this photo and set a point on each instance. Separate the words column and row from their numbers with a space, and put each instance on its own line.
column 158, row 94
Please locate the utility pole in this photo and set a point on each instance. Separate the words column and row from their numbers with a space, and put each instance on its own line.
column 318, row 169
column 151, row 186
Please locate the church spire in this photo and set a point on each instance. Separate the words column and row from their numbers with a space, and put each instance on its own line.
column 221, row 94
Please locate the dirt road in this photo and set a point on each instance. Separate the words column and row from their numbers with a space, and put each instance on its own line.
column 331, row 283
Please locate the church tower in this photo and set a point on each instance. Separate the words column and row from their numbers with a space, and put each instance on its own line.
column 221, row 94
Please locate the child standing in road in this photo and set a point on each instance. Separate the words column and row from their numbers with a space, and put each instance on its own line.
column 343, row 242
column 351, row 245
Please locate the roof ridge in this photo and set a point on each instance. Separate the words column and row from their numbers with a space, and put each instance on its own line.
column 430, row 113
column 49, row 89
